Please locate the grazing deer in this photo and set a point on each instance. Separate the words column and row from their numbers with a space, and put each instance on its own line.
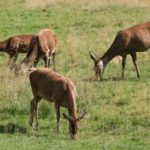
column 42, row 46
column 53, row 87
column 15, row 45
column 128, row 41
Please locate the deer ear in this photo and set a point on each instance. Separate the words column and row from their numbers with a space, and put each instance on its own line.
column 81, row 116
column 66, row 117
column 93, row 57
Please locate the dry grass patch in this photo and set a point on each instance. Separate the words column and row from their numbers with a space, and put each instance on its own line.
column 87, row 3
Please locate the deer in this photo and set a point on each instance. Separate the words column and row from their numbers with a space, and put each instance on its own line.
column 42, row 46
column 128, row 41
column 15, row 45
column 53, row 87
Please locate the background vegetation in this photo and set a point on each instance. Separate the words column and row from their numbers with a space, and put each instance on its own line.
column 118, row 112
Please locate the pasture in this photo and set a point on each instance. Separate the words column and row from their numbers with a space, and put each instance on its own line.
column 118, row 112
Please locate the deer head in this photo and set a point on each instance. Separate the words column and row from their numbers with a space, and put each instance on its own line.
column 98, row 66
column 73, row 124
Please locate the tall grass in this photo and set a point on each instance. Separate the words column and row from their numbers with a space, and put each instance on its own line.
column 118, row 114
column 14, row 91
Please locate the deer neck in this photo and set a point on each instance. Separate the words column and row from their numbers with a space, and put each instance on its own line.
column 108, row 56
column 72, row 108
column 32, row 55
column 111, row 52
column 33, row 52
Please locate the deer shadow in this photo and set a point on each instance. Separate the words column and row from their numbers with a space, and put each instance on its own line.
column 103, row 80
column 12, row 128
column 131, row 79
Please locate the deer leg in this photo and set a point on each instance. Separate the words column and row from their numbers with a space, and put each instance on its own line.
column 57, row 109
column 45, row 58
column 49, row 61
column 10, row 62
column 15, row 57
column 36, row 113
column 14, row 61
column 10, row 59
column 123, row 65
column 31, row 112
column 36, row 61
column 134, row 59
column 34, row 110
column 53, row 57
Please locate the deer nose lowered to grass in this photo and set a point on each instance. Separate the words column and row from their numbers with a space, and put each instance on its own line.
column 128, row 41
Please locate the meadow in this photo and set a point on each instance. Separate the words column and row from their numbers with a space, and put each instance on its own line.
column 118, row 112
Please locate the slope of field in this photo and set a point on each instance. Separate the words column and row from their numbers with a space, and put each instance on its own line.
column 118, row 112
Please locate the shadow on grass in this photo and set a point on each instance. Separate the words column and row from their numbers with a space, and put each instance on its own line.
column 12, row 128
column 13, row 110
column 103, row 80
column 133, row 79
column 90, row 80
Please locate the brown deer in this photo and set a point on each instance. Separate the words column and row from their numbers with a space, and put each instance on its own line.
column 128, row 41
column 15, row 45
column 42, row 46
column 53, row 87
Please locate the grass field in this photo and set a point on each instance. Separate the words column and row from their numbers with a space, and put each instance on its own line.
column 118, row 112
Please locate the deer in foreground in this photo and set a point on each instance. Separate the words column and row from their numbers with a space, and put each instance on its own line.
column 128, row 41
column 15, row 45
column 42, row 46
column 53, row 87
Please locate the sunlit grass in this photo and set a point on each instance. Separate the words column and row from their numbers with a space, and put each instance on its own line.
column 118, row 114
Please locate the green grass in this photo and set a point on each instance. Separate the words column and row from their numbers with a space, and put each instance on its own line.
column 118, row 112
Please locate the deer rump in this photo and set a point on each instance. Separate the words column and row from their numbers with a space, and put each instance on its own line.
column 42, row 46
